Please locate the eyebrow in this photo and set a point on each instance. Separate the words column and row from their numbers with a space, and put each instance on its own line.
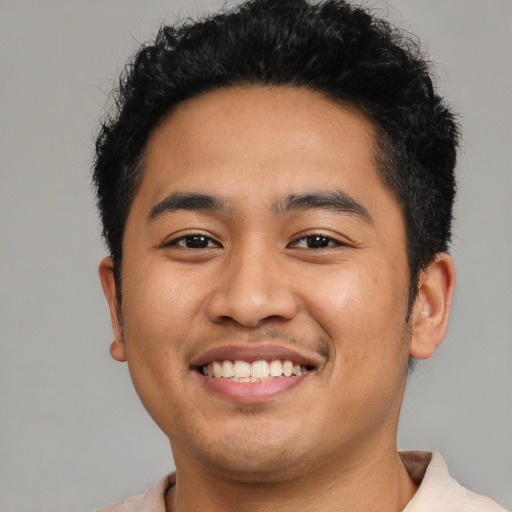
column 333, row 200
column 187, row 201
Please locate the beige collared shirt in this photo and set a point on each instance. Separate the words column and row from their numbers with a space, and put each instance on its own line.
column 438, row 491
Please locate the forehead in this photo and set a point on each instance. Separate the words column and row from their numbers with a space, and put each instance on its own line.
column 265, row 158
column 292, row 135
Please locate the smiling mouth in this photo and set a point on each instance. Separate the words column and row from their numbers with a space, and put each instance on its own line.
column 255, row 371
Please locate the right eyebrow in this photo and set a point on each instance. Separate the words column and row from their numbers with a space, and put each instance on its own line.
column 187, row 201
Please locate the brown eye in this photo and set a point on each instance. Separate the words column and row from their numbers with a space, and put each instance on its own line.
column 314, row 242
column 194, row 242
column 317, row 242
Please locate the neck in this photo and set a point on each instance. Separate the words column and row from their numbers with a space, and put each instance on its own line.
column 375, row 481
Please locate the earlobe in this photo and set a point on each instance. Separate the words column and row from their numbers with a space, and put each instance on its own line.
column 431, row 310
column 108, row 283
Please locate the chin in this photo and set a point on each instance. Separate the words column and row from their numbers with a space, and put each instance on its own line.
column 259, row 458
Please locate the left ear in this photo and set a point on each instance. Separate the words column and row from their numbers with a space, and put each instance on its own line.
column 431, row 310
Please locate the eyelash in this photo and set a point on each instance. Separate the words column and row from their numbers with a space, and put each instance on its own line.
column 313, row 239
column 196, row 241
column 194, row 238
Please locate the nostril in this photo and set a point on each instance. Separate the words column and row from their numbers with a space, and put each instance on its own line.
column 250, row 307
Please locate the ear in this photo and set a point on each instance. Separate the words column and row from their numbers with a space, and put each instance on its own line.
column 431, row 310
column 108, row 283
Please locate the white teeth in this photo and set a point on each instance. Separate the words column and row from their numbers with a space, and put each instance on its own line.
column 276, row 368
column 260, row 369
column 242, row 369
column 257, row 371
column 287, row 368
column 228, row 369
column 217, row 369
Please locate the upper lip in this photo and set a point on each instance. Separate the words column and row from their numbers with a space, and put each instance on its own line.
column 257, row 352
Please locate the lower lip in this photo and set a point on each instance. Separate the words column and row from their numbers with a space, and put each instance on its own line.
column 251, row 392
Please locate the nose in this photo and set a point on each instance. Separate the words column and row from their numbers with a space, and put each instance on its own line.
column 253, row 288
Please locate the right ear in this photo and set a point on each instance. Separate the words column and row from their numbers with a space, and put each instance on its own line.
column 108, row 283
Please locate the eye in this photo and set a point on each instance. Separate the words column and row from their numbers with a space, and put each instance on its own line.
column 195, row 241
column 314, row 242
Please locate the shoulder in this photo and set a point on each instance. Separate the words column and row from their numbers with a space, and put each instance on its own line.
column 153, row 500
column 438, row 491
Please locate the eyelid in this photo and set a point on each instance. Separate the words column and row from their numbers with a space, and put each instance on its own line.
column 182, row 235
column 334, row 241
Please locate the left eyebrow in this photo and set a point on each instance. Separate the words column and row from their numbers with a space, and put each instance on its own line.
column 333, row 200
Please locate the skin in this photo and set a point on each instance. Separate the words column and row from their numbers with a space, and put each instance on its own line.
column 257, row 281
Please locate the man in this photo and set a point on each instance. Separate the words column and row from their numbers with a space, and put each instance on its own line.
column 276, row 193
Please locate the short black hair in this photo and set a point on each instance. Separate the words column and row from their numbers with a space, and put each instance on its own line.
column 331, row 47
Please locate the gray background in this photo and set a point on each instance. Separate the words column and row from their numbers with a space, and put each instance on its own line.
column 73, row 435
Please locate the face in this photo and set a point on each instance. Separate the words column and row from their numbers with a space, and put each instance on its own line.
column 262, row 237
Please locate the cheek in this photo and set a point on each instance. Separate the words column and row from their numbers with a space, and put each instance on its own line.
column 159, row 307
column 158, row 312
column 358, row 309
